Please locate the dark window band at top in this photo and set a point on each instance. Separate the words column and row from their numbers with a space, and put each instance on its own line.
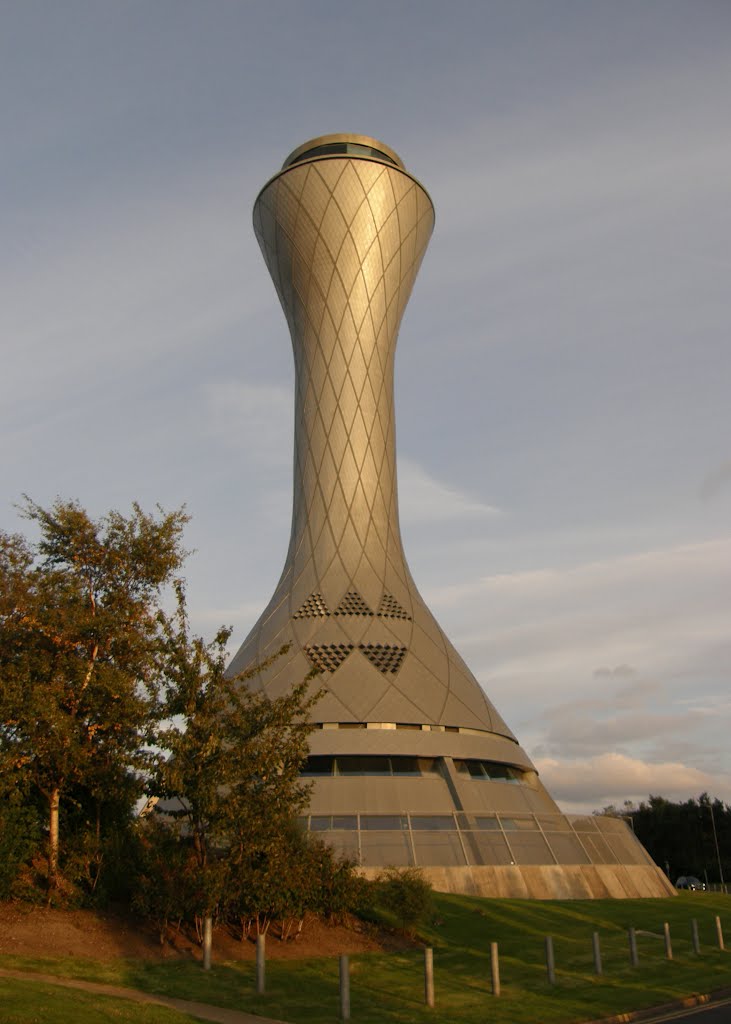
column 342, row 149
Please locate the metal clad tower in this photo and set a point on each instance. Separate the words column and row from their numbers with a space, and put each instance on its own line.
column 409, row 754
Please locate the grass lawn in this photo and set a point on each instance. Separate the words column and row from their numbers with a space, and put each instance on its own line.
column 25, row 1002
column 389, row 987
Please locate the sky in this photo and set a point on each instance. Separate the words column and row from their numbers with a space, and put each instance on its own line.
column 563, row 368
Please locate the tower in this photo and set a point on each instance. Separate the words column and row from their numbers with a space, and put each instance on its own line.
column 411, row 761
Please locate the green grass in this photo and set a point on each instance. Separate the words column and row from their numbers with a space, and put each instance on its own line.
column 388, row 988
column 26, row 1002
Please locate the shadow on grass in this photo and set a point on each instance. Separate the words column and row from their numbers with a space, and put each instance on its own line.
column 388, row 988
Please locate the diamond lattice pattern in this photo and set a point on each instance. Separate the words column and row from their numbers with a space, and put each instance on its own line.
column 343, row 239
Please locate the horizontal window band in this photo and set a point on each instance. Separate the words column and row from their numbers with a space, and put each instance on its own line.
column 362, row 765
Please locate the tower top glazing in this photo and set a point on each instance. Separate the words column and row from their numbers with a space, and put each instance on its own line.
column 343, row 144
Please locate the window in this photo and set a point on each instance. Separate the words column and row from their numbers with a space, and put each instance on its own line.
column 492, row 770
column 432, row 822
column 368, row 764
column 344, row 149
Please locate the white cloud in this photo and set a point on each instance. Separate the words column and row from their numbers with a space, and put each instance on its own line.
column 423, row 499
column 618, row 672
column 716, row 481
column 119, row 285
column 593, row 782
column 253, row 418
column 654, row 610
column 627, row 653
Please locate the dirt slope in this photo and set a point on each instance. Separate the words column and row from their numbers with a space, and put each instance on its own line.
column 35, row 931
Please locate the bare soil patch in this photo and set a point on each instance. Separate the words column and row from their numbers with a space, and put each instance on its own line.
column 33, row 931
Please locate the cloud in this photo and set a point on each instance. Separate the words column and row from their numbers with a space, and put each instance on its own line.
column 613, row 778
column 423, row 499
column 584, row 732
column 618, row 672
column 252, row 418
column 653, row 610
column 716, row 481
column 117, row 286
column 628, row 654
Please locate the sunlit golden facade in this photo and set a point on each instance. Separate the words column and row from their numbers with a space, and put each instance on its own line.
column 411, row 761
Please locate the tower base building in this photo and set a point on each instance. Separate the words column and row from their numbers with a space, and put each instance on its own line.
column 411, row 763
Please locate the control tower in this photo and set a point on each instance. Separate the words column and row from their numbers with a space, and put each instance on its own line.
column 412, row 763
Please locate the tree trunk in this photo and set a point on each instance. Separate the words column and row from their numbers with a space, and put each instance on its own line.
column 54, row 799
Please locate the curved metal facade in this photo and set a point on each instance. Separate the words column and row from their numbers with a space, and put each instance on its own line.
column 343, row 238
column 343, row 229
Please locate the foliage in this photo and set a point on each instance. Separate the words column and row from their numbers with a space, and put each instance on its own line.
column 680, row 836
column 288, row 879
column 230, row 776
column 93, row 676
column 19, row 834
column 162, row 875
column 77, row 637
column 407, row 894
column 340, row 890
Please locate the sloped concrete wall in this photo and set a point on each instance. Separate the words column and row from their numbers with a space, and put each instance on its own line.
column 550, row 882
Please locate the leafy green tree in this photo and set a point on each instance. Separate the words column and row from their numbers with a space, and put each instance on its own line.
column 231, row 770
column 78, row 632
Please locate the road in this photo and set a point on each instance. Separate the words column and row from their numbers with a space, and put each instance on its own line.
column 716, row 1013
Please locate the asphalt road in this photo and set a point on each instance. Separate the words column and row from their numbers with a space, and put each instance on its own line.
column 716, row 1013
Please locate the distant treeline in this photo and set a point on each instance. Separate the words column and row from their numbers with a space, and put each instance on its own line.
column 684, row 838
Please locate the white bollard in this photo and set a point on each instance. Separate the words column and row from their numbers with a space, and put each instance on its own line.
column 344, row 987
column 494, row 969
column 550, row 961
column 597, row 951
column 668, row 944
column 260, row 964
column 429, row 976
column 633, row 957
column 207, row 942
column 694, row 936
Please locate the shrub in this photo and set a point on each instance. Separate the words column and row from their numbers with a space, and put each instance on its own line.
column 19, row 838
column 406, row 894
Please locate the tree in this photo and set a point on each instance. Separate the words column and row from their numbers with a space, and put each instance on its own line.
column 691, row 837
column 78, row 629
column 231, row 770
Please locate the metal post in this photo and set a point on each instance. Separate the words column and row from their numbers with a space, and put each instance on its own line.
column 719, row 933
column 668, row 944
column 344, row 987
column 633, row 957
column 718, row 852
column 550, row 962
column 207, row 941
column 596, row 949
column 429, row 976
column 694, row 936
column 260, row 964
column 495, row 968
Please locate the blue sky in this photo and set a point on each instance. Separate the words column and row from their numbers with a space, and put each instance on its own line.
column 563, row 368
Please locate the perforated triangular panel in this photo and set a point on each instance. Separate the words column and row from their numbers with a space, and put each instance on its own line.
column 328, row 657
column 386, row 657
column 353, row 604
column 313, row 608
column 389, row 608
